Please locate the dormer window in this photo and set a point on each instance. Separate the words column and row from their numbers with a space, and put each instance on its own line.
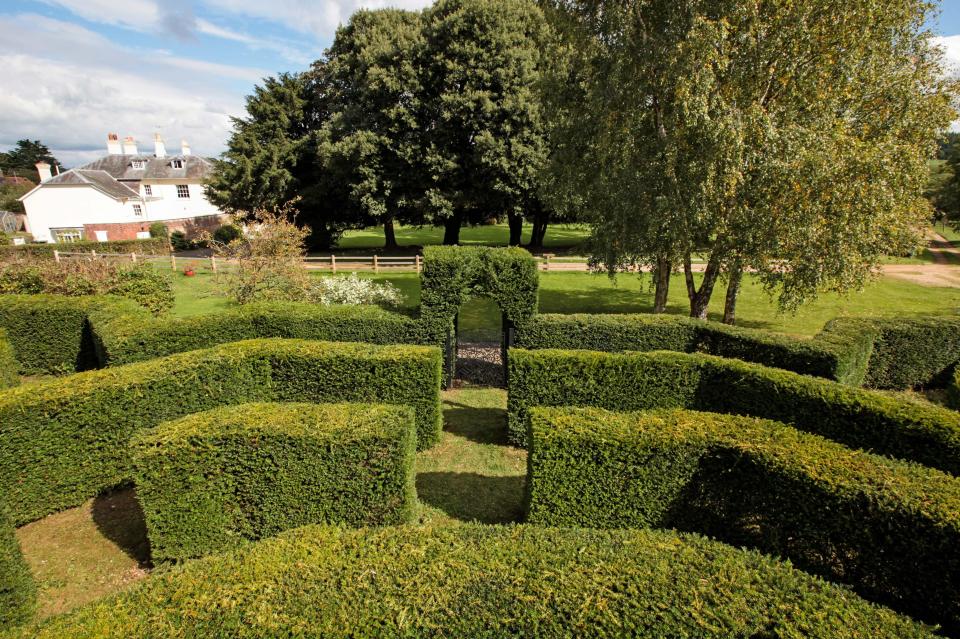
column 177, row 164
column 139, row 164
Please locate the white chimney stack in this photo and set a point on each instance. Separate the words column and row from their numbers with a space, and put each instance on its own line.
column 129, row 146
column 159, row 149
column 44, row 170
column 113, row 144
column 184, row 147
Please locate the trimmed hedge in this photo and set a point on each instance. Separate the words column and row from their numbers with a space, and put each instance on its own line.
column 151, row 246
column 135, row 336
column 65, row 440
column 483, row 581
column 214, row 479
column 18, row 591
column 914, row 352
column 889, row 528
column 856, row 417
column 9, row 366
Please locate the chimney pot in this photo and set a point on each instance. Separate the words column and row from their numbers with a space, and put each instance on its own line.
column 44, row 170
column 129, row 146
column 184, row 147
column 113, row 144
column 160, row 150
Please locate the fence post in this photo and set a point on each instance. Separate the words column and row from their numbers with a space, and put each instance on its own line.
column 376, row 265
column 546, row 264
column 213, row 263
column 173, row 262
column 418, row 262
column 133, row 256
column 93, row 254
column 333, row 263
column 56, row 256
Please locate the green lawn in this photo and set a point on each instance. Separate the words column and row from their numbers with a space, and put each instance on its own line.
column 559, row 236
column 590, row 293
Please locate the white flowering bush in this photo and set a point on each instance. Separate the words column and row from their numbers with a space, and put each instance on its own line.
column 354, row 290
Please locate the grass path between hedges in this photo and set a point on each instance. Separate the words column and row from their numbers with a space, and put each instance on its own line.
column 100, row 548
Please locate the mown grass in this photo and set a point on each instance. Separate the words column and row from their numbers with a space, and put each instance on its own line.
column 558, row 236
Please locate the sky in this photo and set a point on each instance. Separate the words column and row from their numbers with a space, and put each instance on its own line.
column 72, row 71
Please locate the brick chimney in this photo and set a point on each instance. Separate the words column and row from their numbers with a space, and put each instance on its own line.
column 44, row 170
column 159, row 148
column 184, row 147
column 129, row 146
column 113, row 144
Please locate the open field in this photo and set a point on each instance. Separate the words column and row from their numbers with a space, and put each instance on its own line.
column 558, row 236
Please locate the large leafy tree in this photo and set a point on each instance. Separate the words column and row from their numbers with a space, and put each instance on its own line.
column 786, row 138
column 480, row 117
column 21, row 160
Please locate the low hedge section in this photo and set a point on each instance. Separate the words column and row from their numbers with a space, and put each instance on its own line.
column 211, row 480
column 9, row 367
column 148, row 246
column 18, row 591
column 483, row 581
column 64, row 440
column 856, row 417
column 914, row 352
column 135, row 336
column 889, row 528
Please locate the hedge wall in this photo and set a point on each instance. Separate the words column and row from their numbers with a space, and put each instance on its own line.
column 889, row 528
column 135, row 336
column 483, row 581
column 9, row 366
column 65, row 440
column 49, row 333
column 150, row 246
column 856, row 417
column 214, row 479
column 18, row 591
column 914, row 352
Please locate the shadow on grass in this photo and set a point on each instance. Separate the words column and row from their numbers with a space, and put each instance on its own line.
column 119, row 518
column 479, row 425
column 472, row 497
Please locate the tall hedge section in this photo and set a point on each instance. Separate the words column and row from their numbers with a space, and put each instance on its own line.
column 211, row 480
column 65, row 440
column 9, row 367
column 483, row 581
column 889, row 528
column 18, row 591
column 856, row 417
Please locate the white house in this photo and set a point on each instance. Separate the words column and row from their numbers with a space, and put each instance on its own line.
column 120, row 195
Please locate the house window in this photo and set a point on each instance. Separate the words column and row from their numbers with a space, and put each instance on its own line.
column 177, row 164
column 139, row 164
column 147, row 190
column 183, row 190
column 137, row 210
column 66, row 236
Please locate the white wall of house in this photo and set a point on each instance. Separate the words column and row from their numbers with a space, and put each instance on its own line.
column 68, row 206
column 166, row 203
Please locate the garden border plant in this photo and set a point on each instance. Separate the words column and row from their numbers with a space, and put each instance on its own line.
column 856, row 417
column 65, row 440
column 887, row 527
column 212, row 480
column 490, row 581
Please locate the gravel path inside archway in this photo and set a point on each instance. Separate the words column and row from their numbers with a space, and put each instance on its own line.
column 480, row 363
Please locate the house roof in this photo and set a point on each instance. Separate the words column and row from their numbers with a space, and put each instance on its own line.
column 120, row 167
column 100, row 180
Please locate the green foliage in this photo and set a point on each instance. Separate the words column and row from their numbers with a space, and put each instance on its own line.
column 152, row 246
column 886, row 527
column 209, row 481
column 914, row 352
column 10, row 195
column 227, row 233
column 9, row 367
column 18, row 591
column 146, row 286
column 65, row 440
column 179, row 241
column 22, row 159
column 484, row 581
column 858, row 418
column 159, row 229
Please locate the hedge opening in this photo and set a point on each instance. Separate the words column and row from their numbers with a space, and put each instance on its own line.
column 887, row 527
column 483, row 581
column 859, row 418
column 215, row 479
column 65, row 440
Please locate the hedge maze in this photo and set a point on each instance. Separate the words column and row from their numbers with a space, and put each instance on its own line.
column 273, row 451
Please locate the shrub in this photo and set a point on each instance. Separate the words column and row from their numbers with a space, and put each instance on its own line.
column 483, row 581
column 179, row 241
column 65, row 440
column 213, row 479
column 159, row 229
column 353, row 291
column 145, row 285
column 9, row 367
column 227, row 233
column 18, row 591
column 914, row 352
column 639, row 381
column 887, row 527
column 152, row 246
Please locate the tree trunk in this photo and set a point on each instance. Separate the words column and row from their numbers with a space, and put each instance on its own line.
column 661, row 276
column 389, row 235
column 700, row 298
column 541, row 219
column 451, row 230
column 733, row 292
column 515, row 222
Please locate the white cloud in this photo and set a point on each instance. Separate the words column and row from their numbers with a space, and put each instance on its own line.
column 141, row 15
column 951, row 48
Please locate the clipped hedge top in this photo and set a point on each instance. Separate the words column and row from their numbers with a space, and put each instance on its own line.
column 343, row 422
column 919, row 489
column 483, row 581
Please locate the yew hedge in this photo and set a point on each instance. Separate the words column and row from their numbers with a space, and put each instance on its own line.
column 212, row 480
column 889, row 528
column 9, row 367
